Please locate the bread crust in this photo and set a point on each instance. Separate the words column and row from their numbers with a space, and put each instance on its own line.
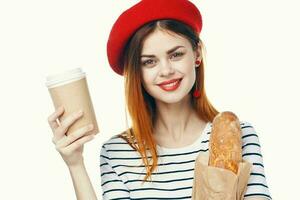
column 225, row 146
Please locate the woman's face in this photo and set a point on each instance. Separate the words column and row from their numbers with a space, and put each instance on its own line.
column 165, row 57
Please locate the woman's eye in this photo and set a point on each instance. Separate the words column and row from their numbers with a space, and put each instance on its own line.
column 147, row 62
column 177, row 54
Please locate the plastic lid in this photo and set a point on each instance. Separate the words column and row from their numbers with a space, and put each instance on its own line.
column 65, row 77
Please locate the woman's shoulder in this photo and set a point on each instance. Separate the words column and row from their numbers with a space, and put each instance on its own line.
column 115, row 141
column 251, row 145
column 248, row 131
column 119, row 143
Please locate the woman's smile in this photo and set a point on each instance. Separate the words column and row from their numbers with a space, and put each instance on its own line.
column 171, row 86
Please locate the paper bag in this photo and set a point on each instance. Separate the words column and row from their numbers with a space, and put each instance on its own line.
column 213, row 183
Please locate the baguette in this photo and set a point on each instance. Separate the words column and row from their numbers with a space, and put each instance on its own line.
column 225, row 146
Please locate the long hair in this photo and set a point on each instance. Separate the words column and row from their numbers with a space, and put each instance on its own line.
column 141, row 106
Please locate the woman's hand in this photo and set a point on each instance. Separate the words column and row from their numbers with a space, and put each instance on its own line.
column 70, row 147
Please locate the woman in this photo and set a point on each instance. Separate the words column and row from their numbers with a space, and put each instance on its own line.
column 155, row 45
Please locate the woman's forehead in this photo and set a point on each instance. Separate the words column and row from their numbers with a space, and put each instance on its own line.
column 163, row 41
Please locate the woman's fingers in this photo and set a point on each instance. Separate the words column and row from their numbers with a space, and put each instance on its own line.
column 75, row 145
column 65, row 141
column 65, row 124
column 52, row 119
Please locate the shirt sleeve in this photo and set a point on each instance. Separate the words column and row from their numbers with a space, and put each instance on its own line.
column 257, row 184
column 111, row 183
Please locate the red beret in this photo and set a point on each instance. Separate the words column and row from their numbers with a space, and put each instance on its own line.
column 141, row 13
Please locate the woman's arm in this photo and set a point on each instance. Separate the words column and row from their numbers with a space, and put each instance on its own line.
column 257, row 187
column 70, row 148
column 81, row 182
column 112, row 184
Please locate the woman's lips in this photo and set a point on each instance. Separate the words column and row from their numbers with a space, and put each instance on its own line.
column 171, row 86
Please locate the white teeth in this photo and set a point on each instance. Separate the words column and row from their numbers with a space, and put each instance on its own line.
column 171, row 84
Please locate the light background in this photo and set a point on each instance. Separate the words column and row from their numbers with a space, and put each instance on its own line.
column 252, row 69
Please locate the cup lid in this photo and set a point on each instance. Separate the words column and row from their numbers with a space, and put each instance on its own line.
column 64, row 77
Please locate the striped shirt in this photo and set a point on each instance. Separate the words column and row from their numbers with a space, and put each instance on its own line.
column 122, row 170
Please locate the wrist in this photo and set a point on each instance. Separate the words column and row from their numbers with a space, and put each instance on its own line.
column 79, row 165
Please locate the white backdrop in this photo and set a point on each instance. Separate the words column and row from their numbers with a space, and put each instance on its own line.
column 252, row 69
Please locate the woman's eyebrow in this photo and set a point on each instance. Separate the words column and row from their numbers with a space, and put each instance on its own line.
column 168, row 52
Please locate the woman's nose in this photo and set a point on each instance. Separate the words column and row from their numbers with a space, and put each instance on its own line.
column 166, row 68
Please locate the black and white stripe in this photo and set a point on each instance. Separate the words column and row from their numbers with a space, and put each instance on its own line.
column 122, row 170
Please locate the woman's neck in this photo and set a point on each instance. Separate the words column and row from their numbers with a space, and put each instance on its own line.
column 176, row 121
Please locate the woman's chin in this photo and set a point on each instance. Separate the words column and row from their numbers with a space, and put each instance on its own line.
column 171, row 98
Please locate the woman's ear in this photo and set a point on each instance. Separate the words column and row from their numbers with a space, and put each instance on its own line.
column 197, row 51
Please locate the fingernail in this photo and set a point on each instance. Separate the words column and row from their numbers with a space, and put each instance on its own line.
column 91, row 126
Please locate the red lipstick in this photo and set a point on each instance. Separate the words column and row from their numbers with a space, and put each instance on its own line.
column 170, row 85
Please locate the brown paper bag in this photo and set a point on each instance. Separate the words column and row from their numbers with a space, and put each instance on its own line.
column 213, row 183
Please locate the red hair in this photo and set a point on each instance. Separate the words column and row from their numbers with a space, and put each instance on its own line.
column 141, row 105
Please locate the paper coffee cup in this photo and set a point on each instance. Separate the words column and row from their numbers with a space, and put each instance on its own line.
column 70, row 89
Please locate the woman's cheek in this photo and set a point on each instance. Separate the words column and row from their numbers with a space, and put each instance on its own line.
column 186, row 65
column 149, row 73
column 148, row 78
